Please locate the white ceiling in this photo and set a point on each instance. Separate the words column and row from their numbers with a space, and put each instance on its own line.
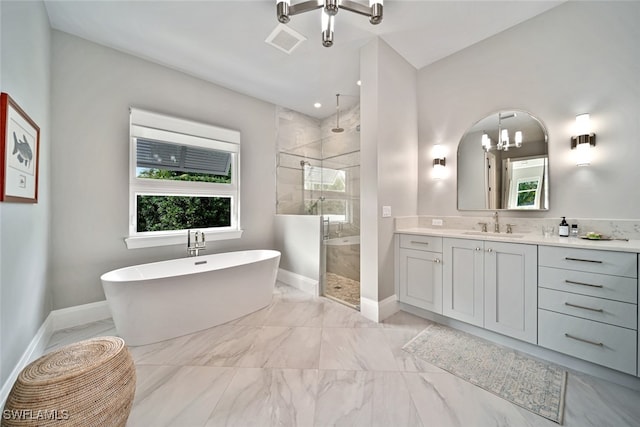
column 223, row 41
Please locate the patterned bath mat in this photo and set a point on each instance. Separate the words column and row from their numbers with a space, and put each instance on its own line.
column 529, row 383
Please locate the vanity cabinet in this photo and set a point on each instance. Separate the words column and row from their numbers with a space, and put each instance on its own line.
column 588, row 305
column 510, row 290
column 419, row 271
column 491, row 285
column 463, row 280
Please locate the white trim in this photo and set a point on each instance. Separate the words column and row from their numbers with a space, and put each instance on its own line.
column 34, row 350
column 377, row 311
column 177, row 239
column 79, row 315
column 55, row 321
column 388, row 307
column 185, row 126
column 369, row 309
column 299, row 281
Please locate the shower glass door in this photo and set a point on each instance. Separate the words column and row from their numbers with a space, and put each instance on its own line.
column 318, row 173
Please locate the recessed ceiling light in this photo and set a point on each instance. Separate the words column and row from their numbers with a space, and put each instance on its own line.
column 317, row 105
column 359, row 83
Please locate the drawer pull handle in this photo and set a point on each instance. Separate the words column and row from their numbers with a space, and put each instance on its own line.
column 437, row 261
column 583, row 284
column 599, row 310
column 415, row 242
column 489, row 250
column 478, row 249
column 599, row 344
column 583, row 260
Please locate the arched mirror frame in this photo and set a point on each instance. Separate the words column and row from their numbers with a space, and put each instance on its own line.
column 491, row 180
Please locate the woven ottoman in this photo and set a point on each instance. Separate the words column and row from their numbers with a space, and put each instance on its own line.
column 88, row 383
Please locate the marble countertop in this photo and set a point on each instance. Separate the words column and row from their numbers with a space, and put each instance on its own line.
column 527, row 238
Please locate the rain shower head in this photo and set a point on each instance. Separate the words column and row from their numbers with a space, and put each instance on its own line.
column 337, row 129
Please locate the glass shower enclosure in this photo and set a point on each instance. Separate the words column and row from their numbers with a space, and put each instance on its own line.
column 318, row 173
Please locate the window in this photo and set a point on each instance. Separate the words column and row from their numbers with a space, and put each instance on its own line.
column 183, row 175
column 528, row 192
column 332, row 185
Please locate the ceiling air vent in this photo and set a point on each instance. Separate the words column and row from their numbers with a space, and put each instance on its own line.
column 285, row 39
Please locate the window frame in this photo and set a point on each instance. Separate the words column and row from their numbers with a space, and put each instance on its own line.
column 159, row 127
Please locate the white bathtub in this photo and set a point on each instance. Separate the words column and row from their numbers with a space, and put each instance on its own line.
column 163, row 300
column 342, row 241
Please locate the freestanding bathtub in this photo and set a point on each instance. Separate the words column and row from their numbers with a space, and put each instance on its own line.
column 162, row 300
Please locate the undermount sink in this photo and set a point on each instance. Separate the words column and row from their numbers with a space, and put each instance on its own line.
column 487, row 234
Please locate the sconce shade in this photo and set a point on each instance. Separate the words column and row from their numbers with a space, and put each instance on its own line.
column 583, row 140
column 438, row 168
column 583, row 124
column 583, row 154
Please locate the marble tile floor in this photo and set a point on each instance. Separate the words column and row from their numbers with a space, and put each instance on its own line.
column 308, row 361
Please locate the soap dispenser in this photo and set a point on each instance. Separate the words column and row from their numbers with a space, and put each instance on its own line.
column 563, row 229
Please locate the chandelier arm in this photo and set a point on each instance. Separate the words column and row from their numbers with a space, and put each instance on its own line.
column 353, row 6
column 306, row 6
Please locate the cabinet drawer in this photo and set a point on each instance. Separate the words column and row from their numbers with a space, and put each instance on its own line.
column 596, row 342
column 590, row 260
column 598, row 309
column 421, row 243
column 596, row 285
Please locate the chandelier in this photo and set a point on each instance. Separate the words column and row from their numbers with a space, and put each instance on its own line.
column 330, row 8
column 503, row 136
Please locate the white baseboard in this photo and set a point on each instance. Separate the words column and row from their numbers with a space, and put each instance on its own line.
column 80, row 315
column 388, row 307
column 55, row 321
column 369, row 309
column 34, row 350
column 377, row 311
column 299, row 281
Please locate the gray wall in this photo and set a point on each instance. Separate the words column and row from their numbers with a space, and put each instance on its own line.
column 579, row 57
column 25, row 299
column 389, row 161
column 93, row 87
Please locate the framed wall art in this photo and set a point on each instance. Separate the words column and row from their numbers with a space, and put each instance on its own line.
column 19, row 150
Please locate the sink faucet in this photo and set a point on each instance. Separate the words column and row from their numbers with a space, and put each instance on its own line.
column 496, row 225
column 194, row 250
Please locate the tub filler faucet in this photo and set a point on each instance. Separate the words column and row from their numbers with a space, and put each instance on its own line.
column 197, row 246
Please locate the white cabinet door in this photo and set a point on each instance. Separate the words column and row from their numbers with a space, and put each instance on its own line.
column 462, row 282
column 420, row 279
column 510, row 290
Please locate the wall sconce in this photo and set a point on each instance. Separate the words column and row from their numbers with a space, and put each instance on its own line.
column 439, row 162
column 583, row 140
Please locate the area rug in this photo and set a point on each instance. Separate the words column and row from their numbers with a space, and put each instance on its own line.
column 527, row 382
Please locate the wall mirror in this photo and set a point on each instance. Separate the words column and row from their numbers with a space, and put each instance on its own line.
column 503, row 163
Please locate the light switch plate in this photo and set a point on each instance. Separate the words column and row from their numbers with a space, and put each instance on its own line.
column 436, row 222
column 386, row 211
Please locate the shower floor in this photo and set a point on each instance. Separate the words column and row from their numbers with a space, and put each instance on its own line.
column 343, row 289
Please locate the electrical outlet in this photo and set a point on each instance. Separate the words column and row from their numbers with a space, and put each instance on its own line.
column 386, row 211
column 436, row 222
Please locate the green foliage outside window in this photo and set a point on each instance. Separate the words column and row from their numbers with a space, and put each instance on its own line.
column 182, row 176
column 163, row 213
